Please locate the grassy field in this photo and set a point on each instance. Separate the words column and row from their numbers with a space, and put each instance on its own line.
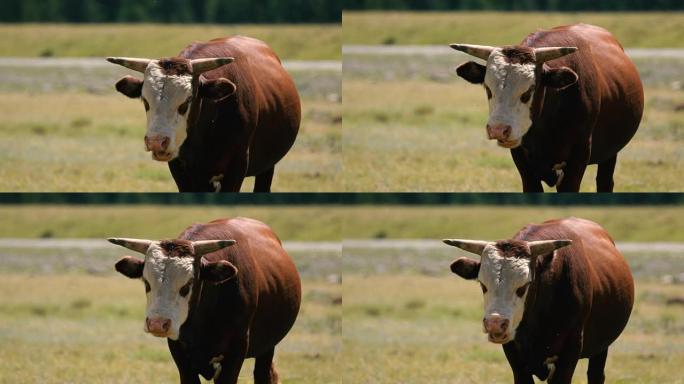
column 422, row 324
column 67, row 316
column 332, row 223
column 427, row 329
column 631, row 224
column 410, row 124
column 301, row 223
column 648, row 30
column 68, row 130
column 85, row 327
column 291, row 42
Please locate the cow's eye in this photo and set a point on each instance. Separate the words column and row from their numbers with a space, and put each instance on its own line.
column 147, row 285
column 525, row 97
column 184, row 107
column 185, row 289
column 489, row 92
column 484, row 289
column 146, row 104
column 521, row 291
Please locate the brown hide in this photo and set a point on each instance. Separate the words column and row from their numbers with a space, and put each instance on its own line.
column 267, row 101
column 246, row 316
column 586, row 123
column 611, row 90
column 582, row 295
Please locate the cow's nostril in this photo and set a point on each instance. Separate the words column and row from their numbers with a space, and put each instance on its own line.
column 165, row 143
column 504, row 325
column 507, row 131
column 166, row 325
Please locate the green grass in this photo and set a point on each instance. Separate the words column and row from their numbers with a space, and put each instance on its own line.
column 421, row 329
column 88, row 329
column 290, row 42
column 332, row 223
column 646, row 30
column 625, row 224
column 309, row 223
column 74, row 141
column 428, row 136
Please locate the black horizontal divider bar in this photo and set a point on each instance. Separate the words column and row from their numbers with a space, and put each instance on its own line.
column 344, row 199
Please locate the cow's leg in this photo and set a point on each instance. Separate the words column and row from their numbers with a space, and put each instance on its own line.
column 530, row 181
column 520, row 373
column 180, row 176
column 232, row 362
column 262, row 182
column 597, row 363
column 187, row 376
column 565, row 363
column 233, row 177
column 573, row 172
column 604, row 176
column 264, row 369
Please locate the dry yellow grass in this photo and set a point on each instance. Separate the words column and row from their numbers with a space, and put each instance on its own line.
column 80, row 142
column 419, row 329
column 422, row 136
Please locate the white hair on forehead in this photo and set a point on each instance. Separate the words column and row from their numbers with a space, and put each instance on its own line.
column 160, row 83
column 502, row 69
column 164, row 268
column 500, row 270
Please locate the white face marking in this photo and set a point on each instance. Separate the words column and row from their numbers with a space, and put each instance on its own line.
column 502, row 277
column 507, row 83
column 165, row 94
column 166, row 276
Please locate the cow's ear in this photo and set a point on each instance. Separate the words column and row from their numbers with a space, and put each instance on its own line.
column 130, row 266
column 466, row 268
column 216, row 89
column 217, row 272
column 472, row 72
column 130, row 86
column 559, row 78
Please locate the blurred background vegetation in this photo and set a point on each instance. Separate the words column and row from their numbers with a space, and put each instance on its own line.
column 172, row 11
column 516, row 5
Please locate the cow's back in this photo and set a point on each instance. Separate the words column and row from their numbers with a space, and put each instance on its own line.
column 268, row 279
column 610, row 88
column 267, row 99
column 597, row 271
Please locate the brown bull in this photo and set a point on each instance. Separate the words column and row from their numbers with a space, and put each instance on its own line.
column 220, row 293
column 561, row 100
column 553, row 294
column 218, row 112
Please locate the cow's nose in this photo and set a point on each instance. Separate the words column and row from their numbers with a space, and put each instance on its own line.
column 496, row 324
column 158, row 325
column 157, row 143
column 499, row 131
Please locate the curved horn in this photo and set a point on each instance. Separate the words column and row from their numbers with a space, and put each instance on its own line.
column 479, row 51
column 202, row 247
column 545, row 54
column 131, row 63
column 137, row 245
column 472, row 246
column 545, row 246
column 200, row 66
